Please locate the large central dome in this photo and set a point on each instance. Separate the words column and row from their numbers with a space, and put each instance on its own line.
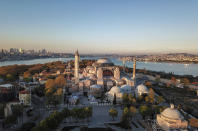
column 103, row 61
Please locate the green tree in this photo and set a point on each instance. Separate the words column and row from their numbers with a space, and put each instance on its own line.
column 113, row 113
column 144, row 111
column 151, row 95
column 132, row 99
column 88, row 111
column 159, row 99
column 125, row 119
column 17, row 109
column 60, row 81
column 9, row 77
column 125, row 99
column 132, row 111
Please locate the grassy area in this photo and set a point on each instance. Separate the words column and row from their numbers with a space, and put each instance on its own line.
column 183, row 98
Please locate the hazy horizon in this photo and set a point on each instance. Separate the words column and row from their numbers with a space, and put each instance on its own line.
column 100, row 26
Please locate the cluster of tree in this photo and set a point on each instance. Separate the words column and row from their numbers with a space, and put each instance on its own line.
column 27, row 126
column 127, row 115
column 2, row 110
column 11, row 73
column 39, row 91
column 85, row 63
column 151, row 110
column 53, row 121
column 193, row 122
column 113, row 113
column 151, row 96
column 81, row 113
column 17, row 111
column 54, row 90
column 128, row 99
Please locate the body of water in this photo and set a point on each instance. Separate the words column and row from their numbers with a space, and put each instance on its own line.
column 176, row 68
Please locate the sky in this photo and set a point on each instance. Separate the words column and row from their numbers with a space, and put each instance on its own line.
column 100, row 26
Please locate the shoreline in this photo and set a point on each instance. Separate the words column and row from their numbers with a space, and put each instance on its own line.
column 54, row 59
column 177, row 62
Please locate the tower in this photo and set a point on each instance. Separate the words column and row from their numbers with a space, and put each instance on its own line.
column 76, row 70
column 124, row 63
column 134, row 68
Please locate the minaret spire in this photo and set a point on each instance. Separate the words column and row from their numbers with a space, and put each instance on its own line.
column 76, row 70
column 134, row 68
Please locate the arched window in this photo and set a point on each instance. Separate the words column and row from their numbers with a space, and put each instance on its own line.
column 107, row 73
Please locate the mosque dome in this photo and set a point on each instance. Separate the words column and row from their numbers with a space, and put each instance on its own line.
column 142, row 89
column 126, row 88
column 95, row 86
column 104, row 62
column 115, row 90
column 172, row 113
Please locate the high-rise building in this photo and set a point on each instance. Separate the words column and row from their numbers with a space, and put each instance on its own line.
column 20, row 50
column 76, row 70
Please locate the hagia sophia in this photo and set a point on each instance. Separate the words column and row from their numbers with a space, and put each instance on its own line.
column 103, row 77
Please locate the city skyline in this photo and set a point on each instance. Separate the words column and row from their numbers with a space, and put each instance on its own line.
column 109, row 27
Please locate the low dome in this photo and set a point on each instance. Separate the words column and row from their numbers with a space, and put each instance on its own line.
column 126, row 87
column 142, row 89
column 172, row 113
column 103, row 61
column 115, row 90
column 95, row 86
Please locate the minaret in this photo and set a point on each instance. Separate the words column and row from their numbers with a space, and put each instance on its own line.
column 76, row 70
column 124, row 64
column 134, row 68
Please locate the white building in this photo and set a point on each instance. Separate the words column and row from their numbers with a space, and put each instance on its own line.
column 119, row 92
column 171, row 119
column 25, row 97
column 141, row 90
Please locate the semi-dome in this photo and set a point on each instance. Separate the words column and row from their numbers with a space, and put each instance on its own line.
column 142, row 89
column 172, row 113
column 95, row 86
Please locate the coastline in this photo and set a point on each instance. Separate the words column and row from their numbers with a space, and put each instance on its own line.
column 47, row 57
column 179, row 62
column 167, row 67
